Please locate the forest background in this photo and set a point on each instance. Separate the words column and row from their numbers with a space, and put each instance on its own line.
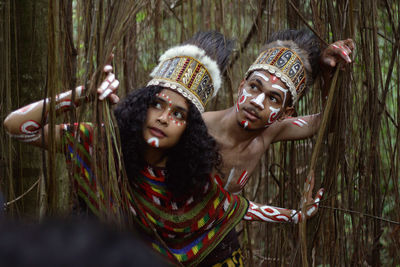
column 48, row 47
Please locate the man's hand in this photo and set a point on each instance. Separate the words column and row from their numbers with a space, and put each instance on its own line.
column 311, row 203
column 339, row 51
column 109, row 86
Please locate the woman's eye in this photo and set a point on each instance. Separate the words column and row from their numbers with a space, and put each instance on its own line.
column 178, row 115
column 157, row 105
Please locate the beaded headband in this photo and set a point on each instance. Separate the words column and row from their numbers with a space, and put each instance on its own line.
column 286, row 65
column 188, row 70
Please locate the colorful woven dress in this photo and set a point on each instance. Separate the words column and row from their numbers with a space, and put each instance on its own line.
column 191, row 228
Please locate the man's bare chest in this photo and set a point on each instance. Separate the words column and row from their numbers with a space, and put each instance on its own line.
column 237, row 167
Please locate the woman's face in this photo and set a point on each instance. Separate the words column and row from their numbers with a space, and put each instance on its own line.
column 166, row 119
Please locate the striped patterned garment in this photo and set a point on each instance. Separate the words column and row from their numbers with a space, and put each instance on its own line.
column 191, row 228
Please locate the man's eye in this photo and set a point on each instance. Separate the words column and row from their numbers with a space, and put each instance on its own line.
column 253, row 87
column 273, row 99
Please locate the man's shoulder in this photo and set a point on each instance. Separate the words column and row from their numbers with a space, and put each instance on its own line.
column 212, row 117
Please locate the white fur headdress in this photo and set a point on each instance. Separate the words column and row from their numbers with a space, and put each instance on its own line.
column 188, row 70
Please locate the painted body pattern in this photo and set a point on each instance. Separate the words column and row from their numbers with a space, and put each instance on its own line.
column 266, row 213
column 243, row 178
column 315, row 206
column 30, row 127
column 63, row 104
column 300, row 122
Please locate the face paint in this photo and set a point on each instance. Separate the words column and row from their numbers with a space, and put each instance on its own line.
column 245, row 124
column 166, row 98
column 259, row 100
column 274, row 79
column 276, row 86
column 242, row 99
column 169, row 109
column 262, row 75
column 154, row 141
column 272, row 116
column 179, row 123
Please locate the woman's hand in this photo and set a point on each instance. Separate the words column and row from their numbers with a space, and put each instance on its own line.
column 109, row 86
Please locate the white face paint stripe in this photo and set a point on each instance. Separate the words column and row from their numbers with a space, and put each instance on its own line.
column 259, row 100
column 276, row 86
column 261, row 75
column 154, row 141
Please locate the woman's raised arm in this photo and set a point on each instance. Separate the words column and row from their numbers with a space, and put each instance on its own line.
column 24, row 124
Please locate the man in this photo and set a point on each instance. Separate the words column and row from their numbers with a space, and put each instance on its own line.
column 266, row 98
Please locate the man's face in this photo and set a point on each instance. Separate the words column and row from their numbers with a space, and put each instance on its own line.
column 166, row 120
column 261, row 100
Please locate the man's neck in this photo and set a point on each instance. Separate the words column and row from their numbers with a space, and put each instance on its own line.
column 227, row 128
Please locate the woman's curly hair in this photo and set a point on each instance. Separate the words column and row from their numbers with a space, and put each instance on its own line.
column 189, row 162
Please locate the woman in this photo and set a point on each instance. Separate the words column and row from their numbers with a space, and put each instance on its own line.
column 168, row 155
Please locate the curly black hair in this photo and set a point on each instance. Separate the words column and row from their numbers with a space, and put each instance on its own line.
column 189, row 162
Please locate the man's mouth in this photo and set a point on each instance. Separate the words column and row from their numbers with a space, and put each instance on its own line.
column 250, row 114
column 157, row 132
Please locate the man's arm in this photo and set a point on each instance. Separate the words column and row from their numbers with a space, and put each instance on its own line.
column 296, row 128
column 24, row 124
column 266, row 213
